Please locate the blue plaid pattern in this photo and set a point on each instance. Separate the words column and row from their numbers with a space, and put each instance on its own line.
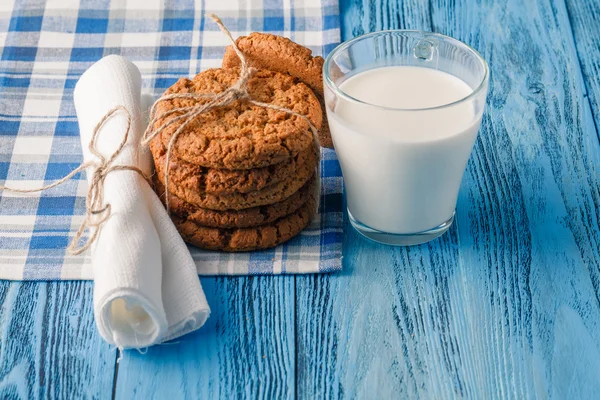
column 47, row 45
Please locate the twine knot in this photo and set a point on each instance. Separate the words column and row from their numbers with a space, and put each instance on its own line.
column 97, row 211
column 231, row 95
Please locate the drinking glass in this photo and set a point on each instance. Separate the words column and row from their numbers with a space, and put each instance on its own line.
column 403, row 167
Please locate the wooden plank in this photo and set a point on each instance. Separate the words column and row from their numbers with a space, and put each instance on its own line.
column 585, row 23
column 506, row 304
column 245, row 350
column 533, row 201
column 49, row 346
column 360, row 17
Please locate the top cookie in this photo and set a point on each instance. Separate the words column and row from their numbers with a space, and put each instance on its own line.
column 280, row 54
column 241, row 135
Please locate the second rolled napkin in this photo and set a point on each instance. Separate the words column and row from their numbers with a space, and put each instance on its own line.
column 146, row 288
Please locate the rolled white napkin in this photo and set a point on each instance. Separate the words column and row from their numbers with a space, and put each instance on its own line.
column 146, row 288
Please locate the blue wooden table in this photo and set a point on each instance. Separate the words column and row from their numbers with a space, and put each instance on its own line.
column 506, row 305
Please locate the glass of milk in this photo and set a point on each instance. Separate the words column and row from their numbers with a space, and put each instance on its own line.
column 404, row 108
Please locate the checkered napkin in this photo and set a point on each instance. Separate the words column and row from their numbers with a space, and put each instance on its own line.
column 46, row 47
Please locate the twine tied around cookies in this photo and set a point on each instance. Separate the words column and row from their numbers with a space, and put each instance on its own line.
column 239, row 91
column 97, row 211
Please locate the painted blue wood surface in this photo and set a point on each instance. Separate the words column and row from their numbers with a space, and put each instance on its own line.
column 49, row 347
column 585, row 23
column 506, row 305
column 246, row 350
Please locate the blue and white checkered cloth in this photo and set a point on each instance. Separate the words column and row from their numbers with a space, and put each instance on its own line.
column 47, row 45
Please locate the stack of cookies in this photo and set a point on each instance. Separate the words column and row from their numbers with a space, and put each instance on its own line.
column 243, row 177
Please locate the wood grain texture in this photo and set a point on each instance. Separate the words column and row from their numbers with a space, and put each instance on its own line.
column 585, row 23
column 506, row 304
column 244, row 351
column 49, row 346
column 534, row 201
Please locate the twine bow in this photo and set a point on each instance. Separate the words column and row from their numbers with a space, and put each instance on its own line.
column 97, row 211
column 239, row 91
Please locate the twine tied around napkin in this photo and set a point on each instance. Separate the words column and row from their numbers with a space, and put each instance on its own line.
column 239, row 91
column 97, row 212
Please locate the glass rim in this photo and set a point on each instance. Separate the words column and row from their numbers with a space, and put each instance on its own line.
column 344, row 45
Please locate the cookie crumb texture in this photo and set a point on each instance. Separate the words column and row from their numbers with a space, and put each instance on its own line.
column 280, row 54
column 247, row 239
column 241, row 135
column 213, row 181
column 239, row 201
column 236, row 219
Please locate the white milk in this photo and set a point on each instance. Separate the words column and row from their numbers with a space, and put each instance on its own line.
column 402, row 169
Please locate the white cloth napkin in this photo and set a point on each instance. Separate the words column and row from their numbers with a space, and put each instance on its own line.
column 146, row 288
